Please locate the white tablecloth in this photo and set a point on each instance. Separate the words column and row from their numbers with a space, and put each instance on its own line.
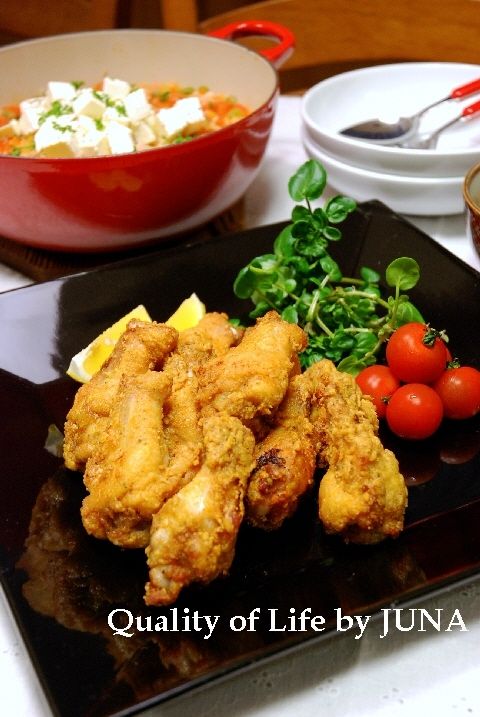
column 407, row 673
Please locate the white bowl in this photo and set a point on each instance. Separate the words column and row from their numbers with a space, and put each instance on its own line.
column 388, row 92
column 422, row 196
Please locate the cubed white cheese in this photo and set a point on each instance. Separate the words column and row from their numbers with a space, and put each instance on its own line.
column 61, row 91
column 112, row 114
column 86, row 103
column 54, row 139
column 86, row 123
column 137, row 105
column 157, row 128
column 119, row 138
column 185, row 115
column 88, row 139
column 30, row 112
column 115, row 89
column 143, row 134
column 67, row 120
column 192, row 110
column 171, row 123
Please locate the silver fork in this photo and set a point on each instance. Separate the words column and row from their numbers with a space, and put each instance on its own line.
column 429, row 141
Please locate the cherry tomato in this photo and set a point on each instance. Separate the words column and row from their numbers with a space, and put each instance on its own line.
column 414, row 411
column 378, row 382
column 415, row 355
column 459, row 389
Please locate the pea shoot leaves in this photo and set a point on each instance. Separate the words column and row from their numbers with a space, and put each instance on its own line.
column 347, row 319
column 308, row 182
column 403, row 272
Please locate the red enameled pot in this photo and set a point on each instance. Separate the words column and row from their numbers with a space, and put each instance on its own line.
column 115, row 202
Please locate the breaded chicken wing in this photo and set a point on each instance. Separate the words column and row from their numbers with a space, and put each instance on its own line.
column 124, row 475
column 210, row 338
column 143, row 346
column 248, row 381
column 324, row 417
column 151, row 444
column 362, row 495
column 285, row 461
column 252, row 378
column 193, row 536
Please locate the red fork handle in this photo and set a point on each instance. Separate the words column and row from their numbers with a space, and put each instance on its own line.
column 278, row 54
column 471, row 109
column 465, row 90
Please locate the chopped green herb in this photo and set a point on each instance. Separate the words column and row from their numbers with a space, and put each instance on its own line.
column 99, row 124
column 162, row 96
column 77, row 84
column 117, row 104
column 120, row 107
column 62, row 128
column 56, row 110
column 102, row 97
column 16, row 152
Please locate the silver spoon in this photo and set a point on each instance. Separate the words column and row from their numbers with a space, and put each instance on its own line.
column 379, row 132
column 429, row 140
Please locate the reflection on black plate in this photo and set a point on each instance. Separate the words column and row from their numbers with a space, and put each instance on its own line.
column 62, row 584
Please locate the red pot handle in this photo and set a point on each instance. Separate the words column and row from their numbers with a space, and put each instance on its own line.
column 278, row 54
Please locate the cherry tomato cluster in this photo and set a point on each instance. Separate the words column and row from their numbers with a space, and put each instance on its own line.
column 420, row 385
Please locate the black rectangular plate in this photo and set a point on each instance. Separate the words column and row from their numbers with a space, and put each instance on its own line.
column 64, row 584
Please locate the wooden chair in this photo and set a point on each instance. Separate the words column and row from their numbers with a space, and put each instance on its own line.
column 31, row 18
column 331, row 36
column 345, row 34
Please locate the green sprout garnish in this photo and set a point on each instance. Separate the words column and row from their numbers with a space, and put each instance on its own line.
column 346, row 318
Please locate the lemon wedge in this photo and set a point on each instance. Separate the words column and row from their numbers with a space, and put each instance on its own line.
column 188, row 314
column 90, row 359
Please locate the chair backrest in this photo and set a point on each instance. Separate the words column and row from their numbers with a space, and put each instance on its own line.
column 346, row 34
column 31, row 18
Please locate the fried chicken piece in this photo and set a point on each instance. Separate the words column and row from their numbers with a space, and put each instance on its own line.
column 125, row 473
column 285, row 461
column 193, row 536
column 152, row 442
column 252, row 378
column 143, row 346
column 324, row 415
column 362, row 495
column 211, row 337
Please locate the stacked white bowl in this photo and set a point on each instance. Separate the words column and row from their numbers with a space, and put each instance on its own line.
column 426, row 182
